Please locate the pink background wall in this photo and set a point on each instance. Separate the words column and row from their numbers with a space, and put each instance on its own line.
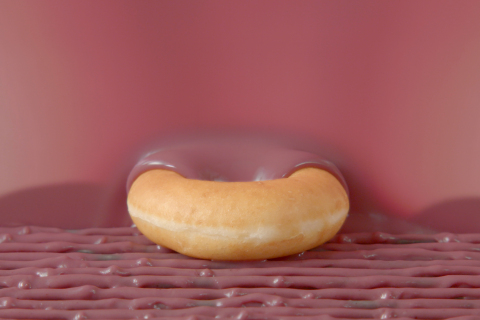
column 392, row 86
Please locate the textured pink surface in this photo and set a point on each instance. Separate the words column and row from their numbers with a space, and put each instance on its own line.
column 116, row 273
column 392, row 87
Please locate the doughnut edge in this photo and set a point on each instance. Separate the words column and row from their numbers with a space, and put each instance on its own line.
column 198, row 218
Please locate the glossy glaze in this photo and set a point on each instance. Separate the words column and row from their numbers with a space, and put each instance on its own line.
column 234, row 160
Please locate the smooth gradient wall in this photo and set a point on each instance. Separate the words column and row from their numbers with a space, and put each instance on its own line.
column 393, row 87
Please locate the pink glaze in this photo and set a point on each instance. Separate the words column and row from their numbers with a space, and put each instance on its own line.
column 233, row 160
column 116, row 273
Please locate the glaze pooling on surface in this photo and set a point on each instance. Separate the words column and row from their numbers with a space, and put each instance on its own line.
column 116, row 273
column 231, row 161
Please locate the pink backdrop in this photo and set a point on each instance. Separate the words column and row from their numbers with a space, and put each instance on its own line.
column 393, row 87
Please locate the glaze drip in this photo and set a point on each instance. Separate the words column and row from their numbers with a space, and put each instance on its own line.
column 232, row 161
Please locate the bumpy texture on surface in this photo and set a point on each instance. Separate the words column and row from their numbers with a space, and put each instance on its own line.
column 116, row 273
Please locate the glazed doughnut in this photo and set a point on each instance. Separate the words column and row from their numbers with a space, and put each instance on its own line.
column 186, row 200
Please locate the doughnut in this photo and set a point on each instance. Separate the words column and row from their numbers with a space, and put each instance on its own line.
column 236, row 201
